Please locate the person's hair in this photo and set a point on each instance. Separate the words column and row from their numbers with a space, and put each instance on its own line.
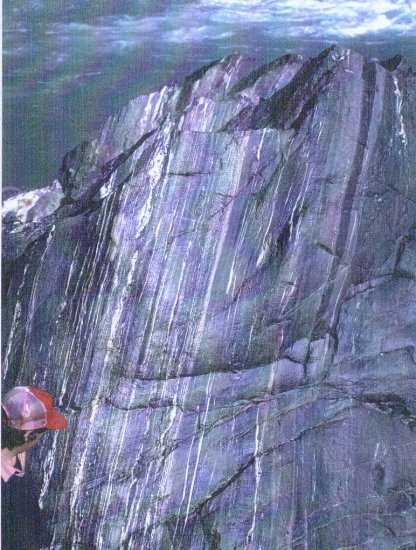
column 11, row 438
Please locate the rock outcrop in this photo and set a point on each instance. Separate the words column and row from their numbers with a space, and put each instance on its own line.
column 223, row 299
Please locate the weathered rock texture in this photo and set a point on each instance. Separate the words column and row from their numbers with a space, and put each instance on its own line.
column 224, row 302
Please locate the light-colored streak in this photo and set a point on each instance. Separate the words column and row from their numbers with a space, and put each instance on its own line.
column 201, row 439
column 399, row 105
column 257, row 473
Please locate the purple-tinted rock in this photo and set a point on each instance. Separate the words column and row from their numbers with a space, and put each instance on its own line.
column 224, row 304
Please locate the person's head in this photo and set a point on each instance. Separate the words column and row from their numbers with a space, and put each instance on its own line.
column 27, row 413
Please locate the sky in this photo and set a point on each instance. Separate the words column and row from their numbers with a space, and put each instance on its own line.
column 69, row 64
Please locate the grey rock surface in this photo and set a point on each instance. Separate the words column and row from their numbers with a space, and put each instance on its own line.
column 224, row 303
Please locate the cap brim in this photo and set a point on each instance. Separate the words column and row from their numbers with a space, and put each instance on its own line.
column 56, row 420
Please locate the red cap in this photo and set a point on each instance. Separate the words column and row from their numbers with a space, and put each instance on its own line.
column 55, row 420
column 30, row 408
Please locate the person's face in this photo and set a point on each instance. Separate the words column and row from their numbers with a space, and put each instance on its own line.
column 32, row 437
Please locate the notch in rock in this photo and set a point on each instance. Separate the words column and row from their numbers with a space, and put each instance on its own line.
column 392, row 63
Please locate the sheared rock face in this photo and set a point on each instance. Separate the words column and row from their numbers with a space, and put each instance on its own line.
column 224, row 302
